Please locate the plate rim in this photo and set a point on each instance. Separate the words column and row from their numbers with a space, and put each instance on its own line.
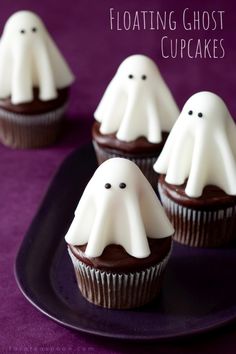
column 189, row 334
column 40, row 306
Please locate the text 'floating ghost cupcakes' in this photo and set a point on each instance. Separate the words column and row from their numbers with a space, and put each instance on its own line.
column 34, row 82
column 119, row 240
column 198, row 159
column 135, row 115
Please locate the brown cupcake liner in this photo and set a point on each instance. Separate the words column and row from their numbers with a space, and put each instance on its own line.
column 118, row 290
column 200, row 228
column 145, row 163
column 30, row 131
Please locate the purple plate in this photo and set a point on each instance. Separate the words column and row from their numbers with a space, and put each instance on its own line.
column 198, row 294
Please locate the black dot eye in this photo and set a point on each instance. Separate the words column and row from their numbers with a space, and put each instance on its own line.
column 200, row 115
column 190, row 113
column 34, row 29
column 131, row 76
column 144, row 77
column 107, row 186
column 122, row 185
column 22, row 31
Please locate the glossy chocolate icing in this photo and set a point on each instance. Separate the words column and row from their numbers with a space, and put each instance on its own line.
column 213, row 198
column 36, row 106
column 138, row 146
column 115, row 259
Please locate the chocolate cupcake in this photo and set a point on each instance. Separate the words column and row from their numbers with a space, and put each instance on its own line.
column 34, row 83
column 198, row 182
column 119, row 259
column 135, row 115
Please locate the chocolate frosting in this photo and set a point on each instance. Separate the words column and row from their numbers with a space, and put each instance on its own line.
column 138, row 146
column 115, row 259
column 212, row 198
column 36, row 106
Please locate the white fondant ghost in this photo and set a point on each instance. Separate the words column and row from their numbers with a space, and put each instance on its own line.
column 201, row 147
column 30, row 58
column 137, row 102
column 120, row 207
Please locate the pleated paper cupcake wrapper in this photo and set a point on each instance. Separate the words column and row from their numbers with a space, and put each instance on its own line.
column 200, row 228
column 144, row 163
column 30, row 131
column 119, row 290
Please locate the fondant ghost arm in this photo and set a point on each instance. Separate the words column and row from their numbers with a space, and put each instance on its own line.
column 5, row 70
column 154, row 123
column 156, row 223
column 79, row 231
column 47, row 86
column 21, row 84
column 166, row 100
column 180, row 160
column 105, row 101
column 161, row 165
column 231, row 132
column 138, row 244
column 126, row 130
column 63, row 76
column 199, row 166
column 111, row 108
column 98, row 238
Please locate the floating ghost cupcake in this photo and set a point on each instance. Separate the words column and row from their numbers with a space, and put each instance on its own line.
column 135, row 115
column 198, row 173
column 120, row 238
column 34, row 83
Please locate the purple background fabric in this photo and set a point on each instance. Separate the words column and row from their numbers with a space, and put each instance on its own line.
column 81, row 29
